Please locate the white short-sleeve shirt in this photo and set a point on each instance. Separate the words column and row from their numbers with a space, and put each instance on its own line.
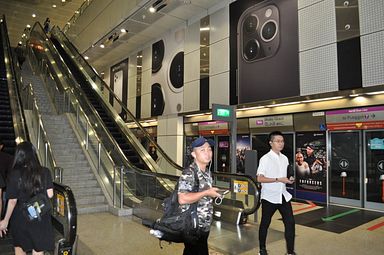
column 273, row 165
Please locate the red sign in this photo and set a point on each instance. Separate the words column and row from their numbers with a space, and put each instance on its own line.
column 356, row 125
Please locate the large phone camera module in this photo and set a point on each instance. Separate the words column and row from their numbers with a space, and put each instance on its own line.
column 260, row 33
column 251, row 50
column 250, row 24
column 269, row 30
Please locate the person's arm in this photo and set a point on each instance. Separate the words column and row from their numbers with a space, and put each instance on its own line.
column 1, row 201
column 50, row 193
column 4, row 223
column 192, row 197
column 261, row 178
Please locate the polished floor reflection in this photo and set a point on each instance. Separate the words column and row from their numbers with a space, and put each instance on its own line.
column 348, row 231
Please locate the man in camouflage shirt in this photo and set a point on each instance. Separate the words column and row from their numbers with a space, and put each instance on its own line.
column 202, row 154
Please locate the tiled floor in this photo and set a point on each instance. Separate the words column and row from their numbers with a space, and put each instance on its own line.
column 107, row 234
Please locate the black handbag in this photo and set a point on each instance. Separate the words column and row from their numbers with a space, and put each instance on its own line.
column 37, row 206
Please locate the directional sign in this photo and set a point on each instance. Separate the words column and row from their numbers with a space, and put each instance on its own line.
column 380, row 166
column 344, row 164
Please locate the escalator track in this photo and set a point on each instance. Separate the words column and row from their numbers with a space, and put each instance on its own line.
column 94, row 99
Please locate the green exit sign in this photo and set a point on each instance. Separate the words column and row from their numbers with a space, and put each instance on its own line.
column 223, row 112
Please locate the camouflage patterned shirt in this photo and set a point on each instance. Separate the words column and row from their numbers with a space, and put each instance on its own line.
column 204, row 206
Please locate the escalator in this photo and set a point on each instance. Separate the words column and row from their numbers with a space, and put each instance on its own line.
column 12, row 128
column 93, row 98
column 7, row 133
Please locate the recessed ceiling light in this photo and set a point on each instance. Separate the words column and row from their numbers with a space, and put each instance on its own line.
column 123, row 30
column 102, row 46
column 53, row 5
column 77, row 12
column 63, row 1
column 34, row 15
column 152, row 9
column 28, row 26
column 86, row 57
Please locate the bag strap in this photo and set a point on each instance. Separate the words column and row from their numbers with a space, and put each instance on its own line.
column 197, row 182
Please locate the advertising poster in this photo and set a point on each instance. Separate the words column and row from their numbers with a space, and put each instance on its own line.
column 243, row 144
column 311, row 166
column 264, row 50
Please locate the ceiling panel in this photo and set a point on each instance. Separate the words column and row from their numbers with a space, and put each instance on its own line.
column 18, row 14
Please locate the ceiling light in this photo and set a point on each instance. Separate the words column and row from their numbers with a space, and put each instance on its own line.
column 63, row 1
column 28, row 26
column 152, row 9
column 282, row 104
column 354, row 95
column 251, row 108
column 20, row 42
column 375, row 93
column 321, row 99
column 77, row 12
column 102, row 46
column 53, row 5
column 86, row 57
column 123, row 30
column 34, row 15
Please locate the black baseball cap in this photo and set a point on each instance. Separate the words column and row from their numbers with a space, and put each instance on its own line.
column 200, row 141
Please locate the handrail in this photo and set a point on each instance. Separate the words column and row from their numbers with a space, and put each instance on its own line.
column 256, row 188
column 56, row 30
column 65, row 214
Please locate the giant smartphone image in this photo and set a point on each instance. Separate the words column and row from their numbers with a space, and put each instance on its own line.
column 267, row 51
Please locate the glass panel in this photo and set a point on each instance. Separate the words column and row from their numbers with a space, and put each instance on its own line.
column 375, row 166
column 345, row 165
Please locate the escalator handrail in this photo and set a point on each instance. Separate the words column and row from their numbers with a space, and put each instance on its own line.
column 254, row 183
column 70, row 229
column 132, row 117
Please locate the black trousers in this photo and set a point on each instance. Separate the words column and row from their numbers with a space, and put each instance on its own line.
column 198, row 248
column 267, row 211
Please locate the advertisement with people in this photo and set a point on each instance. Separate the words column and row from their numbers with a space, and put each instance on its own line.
column 311, row 166
column 243, row 144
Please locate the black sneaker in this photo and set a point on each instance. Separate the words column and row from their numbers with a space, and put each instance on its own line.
column 263, row 252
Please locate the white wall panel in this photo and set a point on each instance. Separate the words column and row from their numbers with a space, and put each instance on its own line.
column 146, row 106
column 192, row 96
column 192, row 66
column 371, row 15
column 317, row 25
column 372, row 59
column 132, row 87
column 219, row 89
column 132, row 66
column 192, row 38
column 147, row 58
column 318, row 72
column 219, row 25
column 219, row 57
column 146, row 81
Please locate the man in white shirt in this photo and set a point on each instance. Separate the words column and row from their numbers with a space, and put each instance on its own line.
column 272, row 174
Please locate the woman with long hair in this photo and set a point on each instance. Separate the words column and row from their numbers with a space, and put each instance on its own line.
column 26, row 179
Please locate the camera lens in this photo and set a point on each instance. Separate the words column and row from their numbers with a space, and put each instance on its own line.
column 251, row 50
column 269, row 30
column 250, row 24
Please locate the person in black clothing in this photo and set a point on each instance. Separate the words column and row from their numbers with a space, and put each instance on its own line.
column 47, row 24
column 5, row 164
column 20, row 54
column 26, row 179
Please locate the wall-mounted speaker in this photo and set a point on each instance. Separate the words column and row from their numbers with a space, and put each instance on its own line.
column 158, row 50
column 176, row 72
column 157, row 100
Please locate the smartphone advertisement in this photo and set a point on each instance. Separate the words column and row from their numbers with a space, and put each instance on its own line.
column 264, row 51
column 311, row 166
